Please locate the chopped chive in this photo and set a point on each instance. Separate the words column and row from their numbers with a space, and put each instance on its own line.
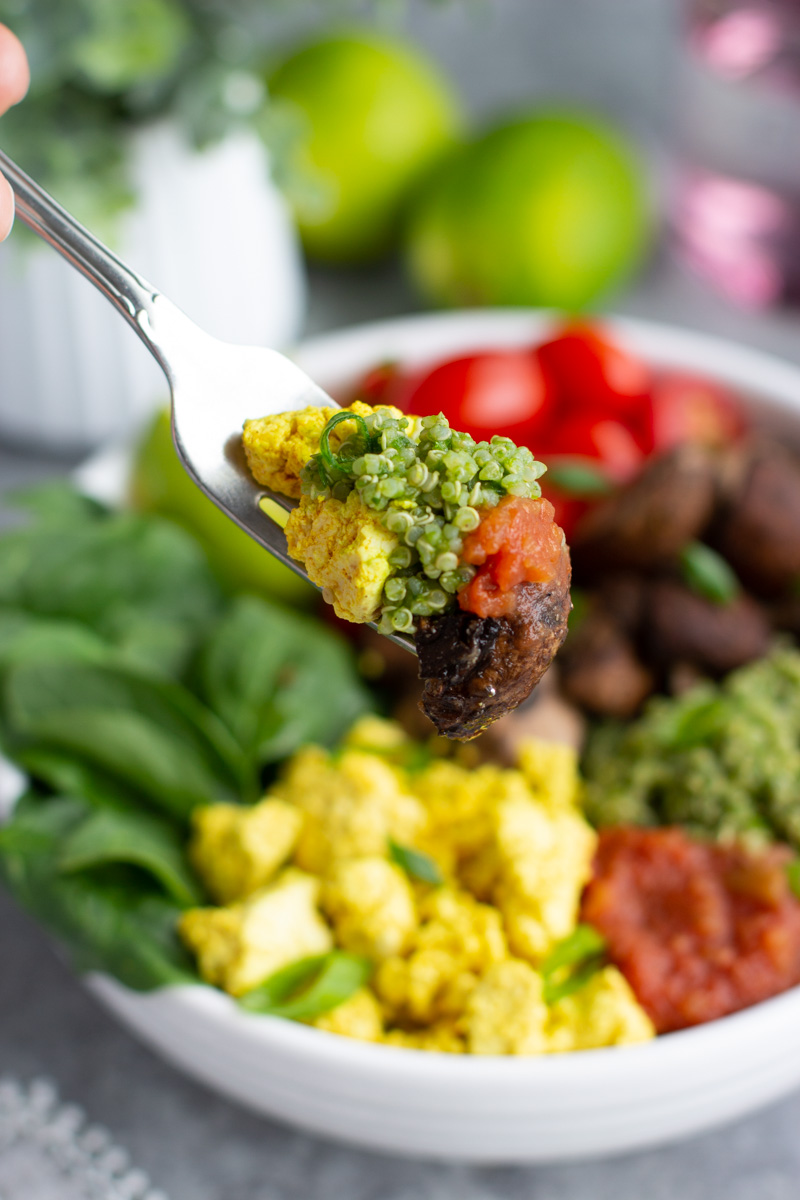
column 572, row 963
column 415, row 863
column 309, row 987
column 708, row 574
column 328, row 457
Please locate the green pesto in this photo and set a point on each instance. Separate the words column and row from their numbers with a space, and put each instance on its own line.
column 429, row 483
column 722, row 760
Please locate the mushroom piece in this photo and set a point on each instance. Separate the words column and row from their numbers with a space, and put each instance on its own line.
column 476, row 669
column 682, row 626
column 600, row 670
column 646, row 524
column 758, row 530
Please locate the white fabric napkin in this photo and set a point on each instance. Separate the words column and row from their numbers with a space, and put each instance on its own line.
column 48, row 1151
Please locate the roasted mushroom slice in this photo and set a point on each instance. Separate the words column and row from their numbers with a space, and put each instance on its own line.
column 758, row 531
column 476, row 669
column 648, row 522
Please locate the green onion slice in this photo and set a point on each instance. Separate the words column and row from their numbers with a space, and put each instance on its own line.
column 572, row 963
column 415, row 863
column 332, row 462
column 309, row 987
column 708, row 574
column 580, row 478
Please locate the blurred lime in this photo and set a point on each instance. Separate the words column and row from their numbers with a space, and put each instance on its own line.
column 375, row 114
column 159, row 484
column 548, row 210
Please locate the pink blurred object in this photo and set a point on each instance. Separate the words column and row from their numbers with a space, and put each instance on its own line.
column 736, row 197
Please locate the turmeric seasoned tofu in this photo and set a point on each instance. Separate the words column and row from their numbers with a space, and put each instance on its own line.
column 447, row 896
column 506, row 1013
column 237, row 947
column 345, row 549
column 236, row 849
column 370, row 904
column 278, row 447
column 604, row 1012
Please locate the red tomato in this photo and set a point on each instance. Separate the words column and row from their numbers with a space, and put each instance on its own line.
column 500, row 392
column 590, row 373
column 608, row 443
column 688, row 408
column 377, row 385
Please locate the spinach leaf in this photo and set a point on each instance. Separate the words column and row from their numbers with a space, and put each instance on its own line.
column 99, row 572
column 106, row 836
column 127, row 929
column 24, row 637
column 56, row 502
column 151, row 734
column 278, row 680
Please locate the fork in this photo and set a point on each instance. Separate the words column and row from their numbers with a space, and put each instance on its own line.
column 214, row 386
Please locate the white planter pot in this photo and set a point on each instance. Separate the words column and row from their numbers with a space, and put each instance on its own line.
column 209, row 229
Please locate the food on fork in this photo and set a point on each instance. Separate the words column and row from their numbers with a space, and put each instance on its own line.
column 408, row 523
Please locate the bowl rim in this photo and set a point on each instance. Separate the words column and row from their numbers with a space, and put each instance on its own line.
column 725, row 1038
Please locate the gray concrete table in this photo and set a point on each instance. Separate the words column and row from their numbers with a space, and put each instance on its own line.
column 197, row 1146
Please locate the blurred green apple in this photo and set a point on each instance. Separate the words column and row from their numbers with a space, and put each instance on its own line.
column 548, row 210
column 159, row 484
column 375, row 114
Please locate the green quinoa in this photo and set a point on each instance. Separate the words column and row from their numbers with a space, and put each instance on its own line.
column 722, row 760
column 429, row 483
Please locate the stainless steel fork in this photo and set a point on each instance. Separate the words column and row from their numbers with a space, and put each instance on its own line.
column 215, row 386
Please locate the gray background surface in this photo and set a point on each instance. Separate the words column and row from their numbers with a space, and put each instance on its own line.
column 621, row 56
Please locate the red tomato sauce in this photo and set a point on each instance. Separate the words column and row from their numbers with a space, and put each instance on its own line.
column 517, row 541
column 699, row 930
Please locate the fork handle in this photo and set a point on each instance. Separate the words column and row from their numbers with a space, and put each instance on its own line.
column 131, row 295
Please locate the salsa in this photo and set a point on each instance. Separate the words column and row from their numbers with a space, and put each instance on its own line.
column 698, row 929
column 516, row 542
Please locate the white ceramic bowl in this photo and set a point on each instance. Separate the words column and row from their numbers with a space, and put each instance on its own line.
column 486, row 1110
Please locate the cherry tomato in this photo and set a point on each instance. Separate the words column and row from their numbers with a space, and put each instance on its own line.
column 377, row 385
column 688, row 408
column 501, row 392
column 605, row 442
column 588, row 372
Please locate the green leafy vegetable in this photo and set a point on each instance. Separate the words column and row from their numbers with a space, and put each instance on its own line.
column 279, row 680
column 151, row 734
column 124, row 928
column 415, row 863
column 106, row 836
column 572, row 963
column 309, row 987
column 131, row 690
column 708, row 574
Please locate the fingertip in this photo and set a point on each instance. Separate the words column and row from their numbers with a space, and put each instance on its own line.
column 6, row 208
column 15, row 74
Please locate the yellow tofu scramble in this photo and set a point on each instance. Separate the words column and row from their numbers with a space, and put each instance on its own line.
column 458, row 965
column 342, row 543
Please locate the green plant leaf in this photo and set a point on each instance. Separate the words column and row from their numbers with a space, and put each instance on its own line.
column 708, row 574
column 151, row 734
column 108, row 836
column 309, row 987
column 127, row 929
column 415, row 863
column 278, row 680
